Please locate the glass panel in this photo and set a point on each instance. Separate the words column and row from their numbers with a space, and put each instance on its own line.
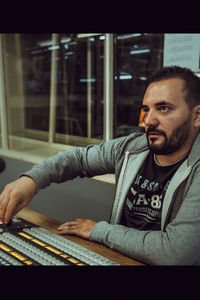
column 54, row 88
column 136, row 57
column 27, row 87
column 36, row 68
column 79, row 109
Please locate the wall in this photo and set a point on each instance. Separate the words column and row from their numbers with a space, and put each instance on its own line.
column 84, row 198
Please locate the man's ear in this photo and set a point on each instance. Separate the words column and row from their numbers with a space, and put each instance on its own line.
column 196, row 112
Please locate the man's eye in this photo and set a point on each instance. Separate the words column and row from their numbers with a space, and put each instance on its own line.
column 145, row 110
column 164, row 108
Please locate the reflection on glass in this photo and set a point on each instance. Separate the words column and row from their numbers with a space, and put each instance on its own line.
column 136, row 57
column 36, row 66
column 80, row 87
column 27, row 86
column 54, row 87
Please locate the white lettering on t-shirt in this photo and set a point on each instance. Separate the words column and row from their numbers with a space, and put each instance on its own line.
column 155, row 201
column 145, row 184
column 141, row 200
column 134, row 192
column 129, row 203
column 137, row 180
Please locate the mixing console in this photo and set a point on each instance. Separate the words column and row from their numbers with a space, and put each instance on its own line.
column 25, row 244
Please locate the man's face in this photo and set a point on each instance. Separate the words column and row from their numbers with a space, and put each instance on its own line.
column 168, row 120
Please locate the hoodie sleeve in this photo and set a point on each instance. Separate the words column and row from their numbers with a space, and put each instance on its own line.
column 179, row 244
column 78, row 162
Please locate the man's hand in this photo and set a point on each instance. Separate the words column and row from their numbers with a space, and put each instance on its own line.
column 79, row 227
column 15, row 196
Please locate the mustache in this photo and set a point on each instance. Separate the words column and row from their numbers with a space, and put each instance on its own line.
column 153, row 129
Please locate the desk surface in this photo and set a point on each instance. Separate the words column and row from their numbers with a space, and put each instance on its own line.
column 51, row 224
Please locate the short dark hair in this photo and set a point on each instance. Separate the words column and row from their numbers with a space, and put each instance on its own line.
column 192, row 82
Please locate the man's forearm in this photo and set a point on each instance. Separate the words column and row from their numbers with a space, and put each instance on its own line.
column 150, row 247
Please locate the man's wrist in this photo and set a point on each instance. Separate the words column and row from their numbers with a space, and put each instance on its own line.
column 30, row 180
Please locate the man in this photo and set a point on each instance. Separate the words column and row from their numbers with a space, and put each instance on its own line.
column 156, row 211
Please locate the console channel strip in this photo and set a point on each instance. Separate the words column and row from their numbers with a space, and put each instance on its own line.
column 25, row 244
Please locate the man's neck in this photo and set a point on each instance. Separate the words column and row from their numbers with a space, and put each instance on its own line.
column 164, row 160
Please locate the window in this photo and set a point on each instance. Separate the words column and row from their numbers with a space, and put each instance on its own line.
column 65, row 90
column 27, row 90
column 54, row 89
column 136, row 57
column 79, row 109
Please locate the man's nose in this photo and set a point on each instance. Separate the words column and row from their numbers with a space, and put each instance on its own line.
column 150, row 119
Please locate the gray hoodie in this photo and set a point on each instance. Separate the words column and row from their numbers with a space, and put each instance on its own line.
column 178, row 241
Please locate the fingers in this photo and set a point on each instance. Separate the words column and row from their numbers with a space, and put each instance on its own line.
column 7, row 206
column 15, row 196
column 4, row 200
column 3, row 205
column 9, row 211
column 18, row 207
column 79, row 227
column 68, row 227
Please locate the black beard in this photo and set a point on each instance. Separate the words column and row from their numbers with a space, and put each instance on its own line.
column 172, row 144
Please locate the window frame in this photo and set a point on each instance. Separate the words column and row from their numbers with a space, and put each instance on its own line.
column 51, row 135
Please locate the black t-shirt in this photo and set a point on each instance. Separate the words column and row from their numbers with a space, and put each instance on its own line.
column 143, row 205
